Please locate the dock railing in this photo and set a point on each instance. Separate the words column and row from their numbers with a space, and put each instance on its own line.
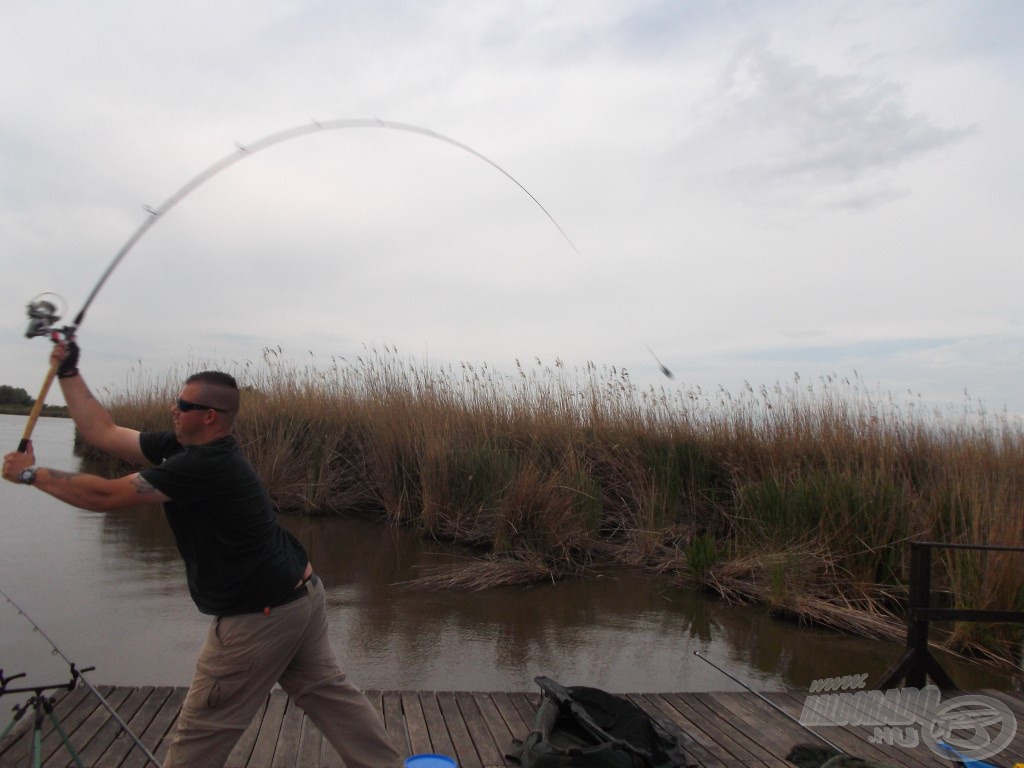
column 917, row 663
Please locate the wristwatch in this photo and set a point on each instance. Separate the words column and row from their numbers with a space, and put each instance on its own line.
column 28, row 475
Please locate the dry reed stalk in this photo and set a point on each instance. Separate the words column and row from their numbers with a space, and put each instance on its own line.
column 484, row 573
column 564, row 469
column 810, row 597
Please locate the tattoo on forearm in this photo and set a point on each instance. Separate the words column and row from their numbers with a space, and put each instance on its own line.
column 59, row 474
column 142, row 485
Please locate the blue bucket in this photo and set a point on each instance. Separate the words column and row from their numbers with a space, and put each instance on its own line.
column 430, row 761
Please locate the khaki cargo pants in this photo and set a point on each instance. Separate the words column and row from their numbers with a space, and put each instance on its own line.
column 244, row 656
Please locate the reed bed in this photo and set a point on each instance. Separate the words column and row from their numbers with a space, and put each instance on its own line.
column 800, row 496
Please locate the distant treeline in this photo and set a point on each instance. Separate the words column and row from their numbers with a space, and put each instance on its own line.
column 800, row 496
column 15, row 400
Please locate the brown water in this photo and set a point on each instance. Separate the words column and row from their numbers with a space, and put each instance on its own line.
column 109, row 591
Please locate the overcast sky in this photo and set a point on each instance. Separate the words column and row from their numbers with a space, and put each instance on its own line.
column 753, row 189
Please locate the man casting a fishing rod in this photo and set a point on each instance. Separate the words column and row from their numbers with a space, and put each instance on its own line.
column 243, row 569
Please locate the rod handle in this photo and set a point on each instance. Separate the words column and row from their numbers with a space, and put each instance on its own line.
column 37, row 408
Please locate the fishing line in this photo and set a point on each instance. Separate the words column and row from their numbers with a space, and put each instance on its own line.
column 248, row 150
column 43, row 319
column 81, row 676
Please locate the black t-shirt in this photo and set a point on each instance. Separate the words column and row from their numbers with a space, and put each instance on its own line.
column 238, row 558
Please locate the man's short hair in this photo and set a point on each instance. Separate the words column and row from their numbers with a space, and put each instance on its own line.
column 217, row 378
column 219, row 390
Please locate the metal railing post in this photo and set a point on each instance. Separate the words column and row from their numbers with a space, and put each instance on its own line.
column 919, row 598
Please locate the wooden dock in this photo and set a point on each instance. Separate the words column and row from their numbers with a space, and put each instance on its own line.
column 476, row 729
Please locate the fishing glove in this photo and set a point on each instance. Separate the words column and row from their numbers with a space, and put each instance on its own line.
column 69, row 365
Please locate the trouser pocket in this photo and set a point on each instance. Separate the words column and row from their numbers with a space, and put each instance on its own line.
column 224, row 670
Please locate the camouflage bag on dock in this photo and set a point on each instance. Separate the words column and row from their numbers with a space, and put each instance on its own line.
column 589, row 728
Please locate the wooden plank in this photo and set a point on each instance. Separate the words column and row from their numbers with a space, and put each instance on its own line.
column 243, row 748
column 791, row 732
column 499, row 729
column 513, row 719
column 287, row 749
column 157, row 734
column 14, row 735
column 1015, row 702
column 921, row 755
column 394, row 721
column 465, row 753
column 440, row 740
column 389, row 708
column 487, row 749
column 720, row 742
column 88, row 731
column 519, row 728
column 697, row 744
column 16, row 745
column 310, row 744
column 722, row 730
column 152, row 700
column 329, row 757
column 270, row 728
column 64, row 706
column 111, row 730
column 925, row 755
column 526, row 707
column 416, row 724
column 775, row 742
column 376, row 699
column 53, row 747
column 741, row 733
column 853, row 740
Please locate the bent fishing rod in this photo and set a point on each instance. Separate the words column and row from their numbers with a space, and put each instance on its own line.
column 42, row 313
column 79, row 674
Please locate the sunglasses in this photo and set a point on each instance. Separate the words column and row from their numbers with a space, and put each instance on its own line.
column 185, row 406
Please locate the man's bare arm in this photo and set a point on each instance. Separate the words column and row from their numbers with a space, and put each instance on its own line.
column 95, row 493
column 96, row 425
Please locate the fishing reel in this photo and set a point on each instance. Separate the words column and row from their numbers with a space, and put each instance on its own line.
column 43, row 317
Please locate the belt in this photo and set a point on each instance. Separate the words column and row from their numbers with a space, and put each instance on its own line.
column 299, row 591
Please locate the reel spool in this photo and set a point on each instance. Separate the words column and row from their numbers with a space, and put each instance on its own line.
column 43, row 315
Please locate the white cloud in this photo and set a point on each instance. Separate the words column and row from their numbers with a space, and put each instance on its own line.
column 788, row 133
column 738, row 177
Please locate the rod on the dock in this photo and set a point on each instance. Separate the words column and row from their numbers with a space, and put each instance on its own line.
column 77, row 675
column 771, row 704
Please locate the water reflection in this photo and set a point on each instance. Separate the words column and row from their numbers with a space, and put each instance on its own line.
column 112, row 593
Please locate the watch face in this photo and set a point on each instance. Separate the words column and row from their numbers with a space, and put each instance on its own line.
column 28, row 475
